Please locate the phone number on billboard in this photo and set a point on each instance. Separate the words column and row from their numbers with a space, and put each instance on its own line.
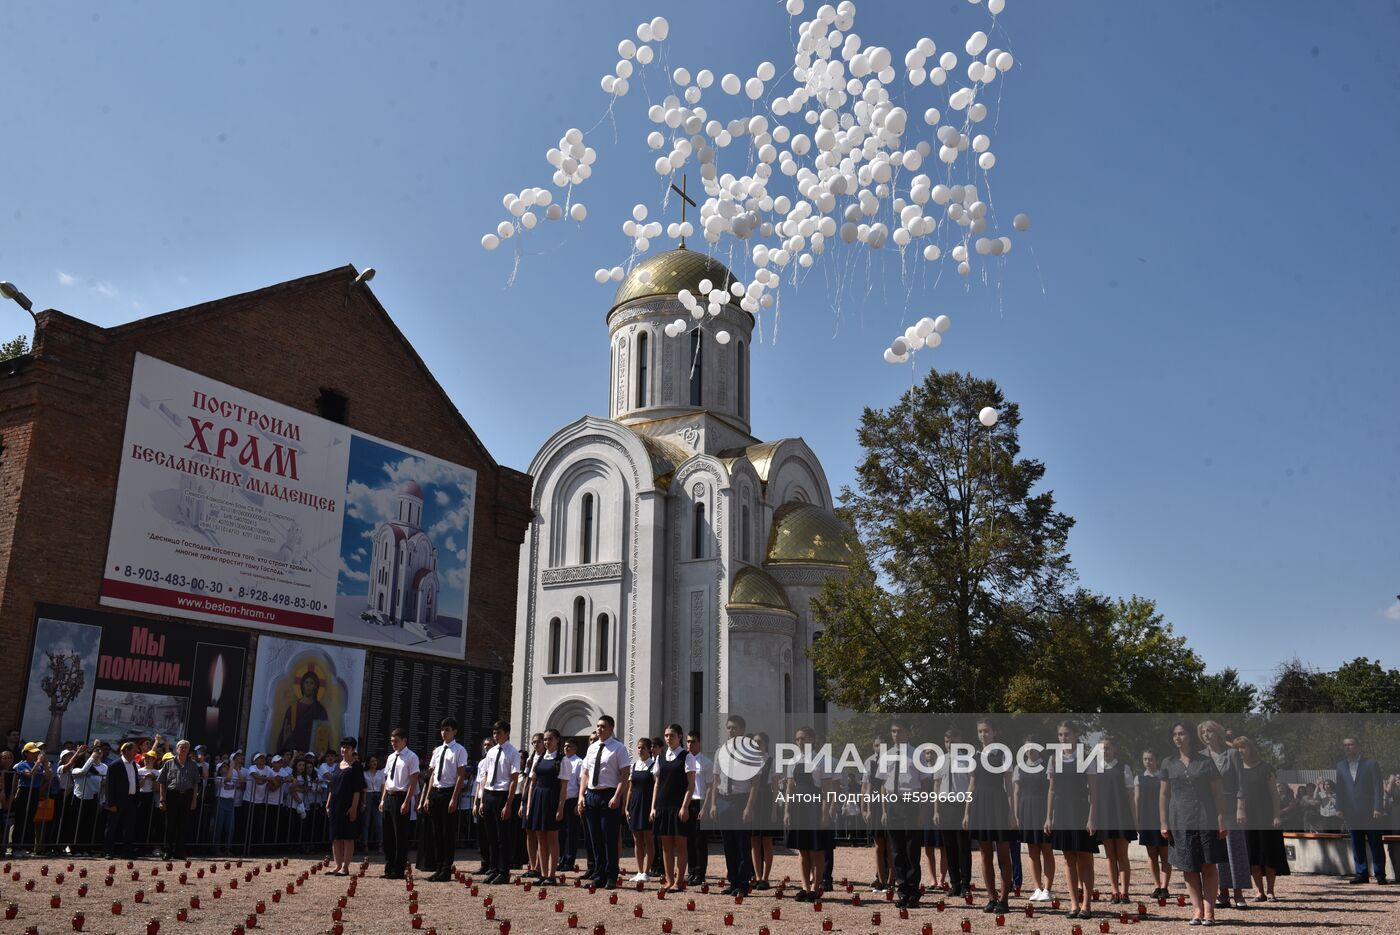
column 205, row 586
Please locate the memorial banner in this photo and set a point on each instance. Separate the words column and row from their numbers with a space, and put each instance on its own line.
column 113, row 676
column 234, row 508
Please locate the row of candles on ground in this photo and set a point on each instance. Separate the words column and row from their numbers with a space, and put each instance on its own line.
column 182, row 915
column 876, row 918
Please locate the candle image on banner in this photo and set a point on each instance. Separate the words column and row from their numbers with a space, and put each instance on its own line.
column 306, row 696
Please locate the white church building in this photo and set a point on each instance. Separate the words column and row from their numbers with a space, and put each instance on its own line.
column 668, row 573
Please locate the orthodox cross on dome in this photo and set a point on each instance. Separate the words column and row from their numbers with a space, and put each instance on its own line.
column 685, row 200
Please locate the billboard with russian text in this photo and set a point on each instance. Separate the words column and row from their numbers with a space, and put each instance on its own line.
column 235, row 508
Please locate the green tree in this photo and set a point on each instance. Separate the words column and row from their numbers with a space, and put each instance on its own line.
column 965, row 560
column 16, row 348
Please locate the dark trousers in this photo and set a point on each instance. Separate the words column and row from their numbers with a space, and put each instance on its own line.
column 1359, row 842
column 396, row 834
column 1015, row 866
column 83, row 826
column 957, row 851
column 443, row 827
column 604, row 825
column 737, row 838
column 177, row 818
column 121, row 829
column 906, row 845
column 571, row 834
column 497, row 833
column 697, row 849
column 26, row 800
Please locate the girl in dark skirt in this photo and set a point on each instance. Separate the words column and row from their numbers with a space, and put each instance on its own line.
column 1259, row 814
column 989, row 815
column 345, row 807
column 1115, row 819
column 1147, row 788
column 639, row 807
column 1031, row 797
column 544, row 806
column 804, row 813
column 1192, row 803
column 765, row 816
column 670, row 809
column 1070, row 822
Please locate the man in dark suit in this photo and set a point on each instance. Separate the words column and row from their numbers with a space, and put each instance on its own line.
column 1359, row 801
column 121, row 802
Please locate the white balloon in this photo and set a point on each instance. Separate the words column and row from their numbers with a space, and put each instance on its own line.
column 645, row 55
column 704, row 78
column 795, row 7
column 554, row 212
column 1004, row 61
column 995, row 7
column 948, row 61
column 490, row 241
column 627, row 48
column 932, row 116
column 988, row 416
column 987, row 160
column 931, row 252
column 753, row 88
column 505, row 230
column 964, row 268
column 639, row 212
column 616, row 274
column 663, row 166
column 899, row 346
column 976, row 43
column 722, row 337
column 1005, row 244
column 729, row 83
column 890, row 357
column 942, row 323
column 528, row 220
column 600, row 276
column 644, row 276
column 681, row 76
column 644, row 32
column 578, row 212
column 660, row 28
column 1022, row 222
column 766, row 71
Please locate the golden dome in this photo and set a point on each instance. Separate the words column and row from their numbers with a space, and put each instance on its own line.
column 671, row 272
column 804, row 534
column 754, row 588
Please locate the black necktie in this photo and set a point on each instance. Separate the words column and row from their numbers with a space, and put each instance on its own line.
column 898, row 765
column 392, row 758
column 442, row 761
column 597, row 765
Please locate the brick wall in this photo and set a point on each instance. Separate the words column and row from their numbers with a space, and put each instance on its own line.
column 62, row 417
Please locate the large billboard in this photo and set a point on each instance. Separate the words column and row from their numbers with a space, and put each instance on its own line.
column 306, row 696
column 113, row 676
column 235, row 508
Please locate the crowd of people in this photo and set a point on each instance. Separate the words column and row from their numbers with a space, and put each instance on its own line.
column 1210, row 808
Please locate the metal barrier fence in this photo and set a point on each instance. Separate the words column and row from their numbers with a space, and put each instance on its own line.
column 214, row 826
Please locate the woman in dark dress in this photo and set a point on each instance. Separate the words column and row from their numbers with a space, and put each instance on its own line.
column 1192, row 803
column 639, row 807
column 344, row 807
column 804, row 813
column 1070, row 823
column 1258, row 812
column 765, row 811
column 544, row 808
column 1147, row 791
column 1031, row 802
column 989, row 816
column 670, row 809
column 1115, row 819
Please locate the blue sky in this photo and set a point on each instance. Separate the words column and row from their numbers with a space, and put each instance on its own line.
column 1200, row 328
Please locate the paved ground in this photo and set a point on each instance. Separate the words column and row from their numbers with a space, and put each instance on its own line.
column 382, row 906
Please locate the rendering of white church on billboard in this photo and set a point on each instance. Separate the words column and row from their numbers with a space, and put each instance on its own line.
column 668, row 572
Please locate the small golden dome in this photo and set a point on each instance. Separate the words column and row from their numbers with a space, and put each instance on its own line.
column 754, row 588
column 804, row 534
column 671, row 272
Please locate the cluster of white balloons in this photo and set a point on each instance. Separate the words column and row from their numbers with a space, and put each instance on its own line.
column 640, row 52
column 846, row 171
column 573, row 164
column 926, row 332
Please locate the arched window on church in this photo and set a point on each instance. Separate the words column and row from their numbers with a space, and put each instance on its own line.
column 744, row 534
column 556, row 640
column 580, row 634
column 643, row 359
column 697, row 369
column 787, row 694
column 585, row 548
column 741, row 379
column 604, row 648
column 700, row 531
